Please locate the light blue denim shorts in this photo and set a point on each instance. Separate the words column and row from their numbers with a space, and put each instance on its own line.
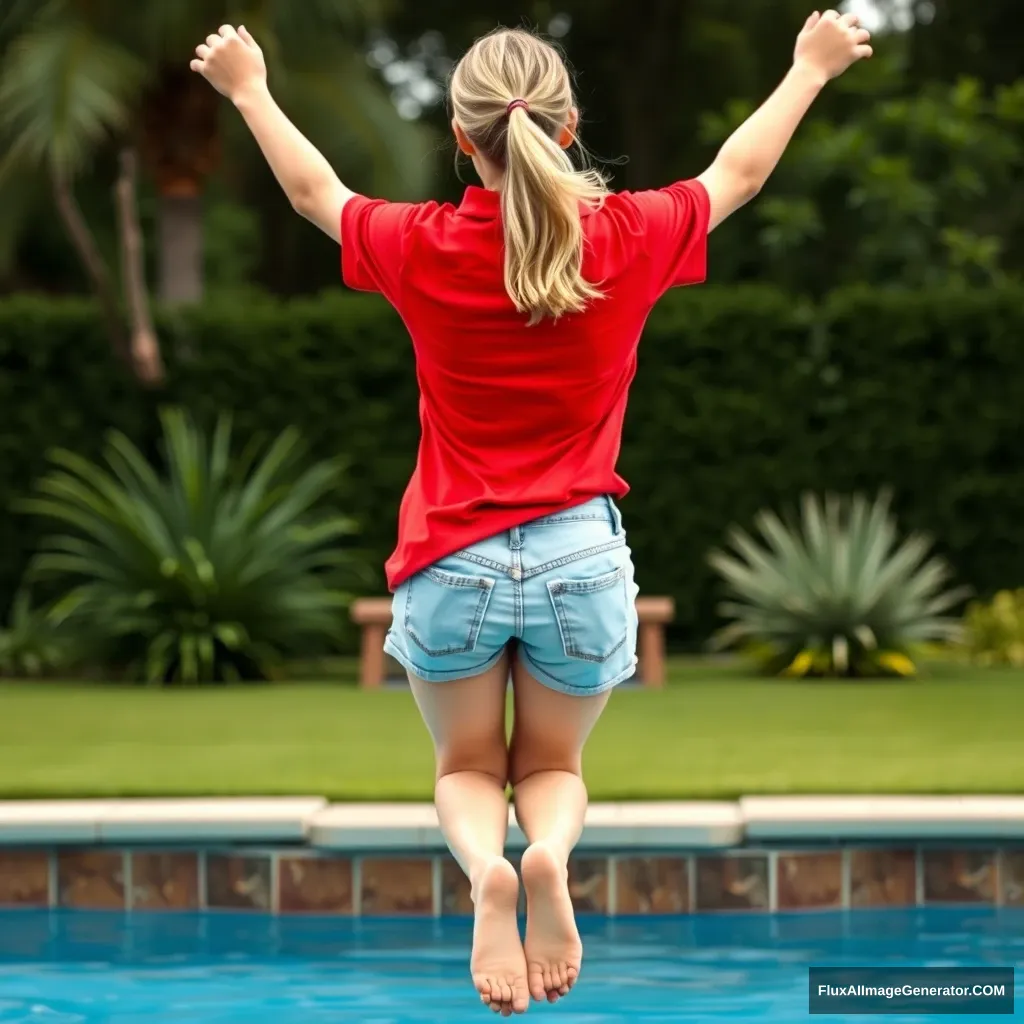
column 561, row 588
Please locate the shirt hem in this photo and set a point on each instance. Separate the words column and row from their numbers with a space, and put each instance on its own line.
column 494, row 525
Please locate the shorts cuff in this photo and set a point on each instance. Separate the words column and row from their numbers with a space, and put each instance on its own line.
column 435, row 675
column 552, row 683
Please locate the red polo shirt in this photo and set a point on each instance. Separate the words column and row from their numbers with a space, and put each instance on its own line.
column 517, row 421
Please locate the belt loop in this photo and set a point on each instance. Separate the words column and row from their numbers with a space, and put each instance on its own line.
column 615, row 514
column 515, row 538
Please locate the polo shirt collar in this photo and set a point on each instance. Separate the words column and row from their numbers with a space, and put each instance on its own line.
column 485, row 204
column 480, row 203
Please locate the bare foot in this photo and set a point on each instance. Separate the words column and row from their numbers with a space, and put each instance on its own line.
column 498, row 964
column 553, row 948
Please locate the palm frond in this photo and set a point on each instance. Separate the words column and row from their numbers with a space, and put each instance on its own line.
column 351, row 115
column 63, row 89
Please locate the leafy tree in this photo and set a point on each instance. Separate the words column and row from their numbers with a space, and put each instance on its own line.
column 899, row 190
column 80, row 75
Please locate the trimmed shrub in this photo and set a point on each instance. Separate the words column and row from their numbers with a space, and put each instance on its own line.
column 745, row 399
column 994, row 631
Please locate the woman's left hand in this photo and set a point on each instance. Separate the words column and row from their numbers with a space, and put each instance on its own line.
column 231, row 62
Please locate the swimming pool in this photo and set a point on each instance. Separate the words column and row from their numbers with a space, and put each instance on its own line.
column 59, row 968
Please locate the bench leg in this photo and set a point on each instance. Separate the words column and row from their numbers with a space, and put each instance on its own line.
column 652, row 655
column 371, row 663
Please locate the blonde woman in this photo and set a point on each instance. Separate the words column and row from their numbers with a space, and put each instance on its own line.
column 525, row 306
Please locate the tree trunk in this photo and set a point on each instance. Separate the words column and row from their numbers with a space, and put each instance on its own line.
column 92, row 260
column 145, row 347
column 180, row 147
column 180, row 233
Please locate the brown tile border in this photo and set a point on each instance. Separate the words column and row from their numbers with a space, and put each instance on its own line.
column 959, row 876
column 165, row 881
column 24, row 878
column 238, row 882
column 736, row 882
column 652, row 885
column 806, row 880
column 883, row 878
column 91, row 879
column 297, row 881
column 589, row 883
column 1011, row 872
column 397, row 885
column 456, row 900
column 315, row 885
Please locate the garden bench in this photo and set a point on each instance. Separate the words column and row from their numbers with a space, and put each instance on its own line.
column 373, row 616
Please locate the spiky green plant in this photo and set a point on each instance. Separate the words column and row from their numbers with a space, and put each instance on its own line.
column 213, row 569
column 836, row 594
column 30, row 644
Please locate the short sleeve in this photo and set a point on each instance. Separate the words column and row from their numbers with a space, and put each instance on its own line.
column 675, row 222
column 373, row 244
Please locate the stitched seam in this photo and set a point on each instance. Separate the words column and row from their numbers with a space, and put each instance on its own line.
column 594, row 518
column 619, row 542
column 456, row 582
column 584, row 691
column 484, row 586
column 556, row 590
column 487, row 563
column 432, row 674
column 609, row 579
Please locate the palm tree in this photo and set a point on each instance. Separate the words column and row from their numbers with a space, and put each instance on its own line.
column 79, row 75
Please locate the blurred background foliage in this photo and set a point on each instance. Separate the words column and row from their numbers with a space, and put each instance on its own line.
column 866, row 334
column 908, row 172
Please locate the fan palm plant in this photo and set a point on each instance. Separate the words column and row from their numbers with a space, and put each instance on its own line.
column 838, row 594
column 79, row 73
column 213, row 570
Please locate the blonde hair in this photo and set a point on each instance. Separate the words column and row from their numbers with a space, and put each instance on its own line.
column 543, row 194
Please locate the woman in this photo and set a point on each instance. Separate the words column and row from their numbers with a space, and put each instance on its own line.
column 525, row 305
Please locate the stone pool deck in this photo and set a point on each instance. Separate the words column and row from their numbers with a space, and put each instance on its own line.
column 304, row 855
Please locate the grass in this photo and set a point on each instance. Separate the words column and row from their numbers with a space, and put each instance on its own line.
column 711, row 734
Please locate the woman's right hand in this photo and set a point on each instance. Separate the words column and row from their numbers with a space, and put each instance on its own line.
column 830, row 43
column 231, row 62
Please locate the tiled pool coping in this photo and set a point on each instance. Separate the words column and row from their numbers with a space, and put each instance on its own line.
column 306, row 856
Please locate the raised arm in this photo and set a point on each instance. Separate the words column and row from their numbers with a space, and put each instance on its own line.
column 827, row 46
column 233, row 64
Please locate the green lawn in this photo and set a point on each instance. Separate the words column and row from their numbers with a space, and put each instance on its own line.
column 710, row 734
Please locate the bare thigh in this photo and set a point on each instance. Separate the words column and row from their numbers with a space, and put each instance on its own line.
column 466, row 720
column 550, row 728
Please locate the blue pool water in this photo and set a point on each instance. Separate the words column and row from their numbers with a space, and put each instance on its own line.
column 148, row 969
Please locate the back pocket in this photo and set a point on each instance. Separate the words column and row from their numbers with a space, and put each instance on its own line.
column 444, row 611
column 593, row 615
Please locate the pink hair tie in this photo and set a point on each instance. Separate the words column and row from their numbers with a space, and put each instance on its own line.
column 515, row 104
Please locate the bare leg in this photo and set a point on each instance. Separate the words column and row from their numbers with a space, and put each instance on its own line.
column 550, row 731
column 466, row 720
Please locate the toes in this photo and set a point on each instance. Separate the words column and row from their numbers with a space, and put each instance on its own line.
column 537, row 989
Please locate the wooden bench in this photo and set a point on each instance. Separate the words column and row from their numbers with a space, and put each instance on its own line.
column 373, row 616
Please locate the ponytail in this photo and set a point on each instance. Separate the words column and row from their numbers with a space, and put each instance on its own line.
column 543, row 196
column 541, row 203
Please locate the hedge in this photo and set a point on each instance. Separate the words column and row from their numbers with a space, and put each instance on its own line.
column 745, row 398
